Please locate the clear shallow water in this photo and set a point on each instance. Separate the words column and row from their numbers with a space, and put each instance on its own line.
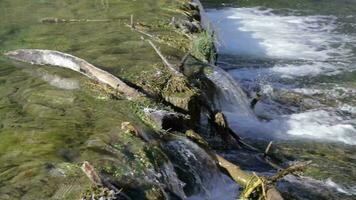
column 302, row 58
column 51, row 119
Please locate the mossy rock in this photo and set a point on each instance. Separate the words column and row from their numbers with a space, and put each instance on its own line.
column 203, row 47
column 180, row 94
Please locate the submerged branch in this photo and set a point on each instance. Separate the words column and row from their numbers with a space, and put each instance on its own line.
column 301, row 166
column 252, row 184
column 54, row 20
column 56, row 58
column 165, row 61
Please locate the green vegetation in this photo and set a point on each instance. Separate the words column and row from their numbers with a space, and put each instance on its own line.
column 203, row 46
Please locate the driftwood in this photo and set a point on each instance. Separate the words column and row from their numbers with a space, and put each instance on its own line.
column 162, row 118
column 56, row 58
column 253, row 185
column 250, row 182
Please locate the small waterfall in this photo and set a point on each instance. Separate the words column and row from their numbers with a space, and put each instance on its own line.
column 230, row 98
column 196, row 168
column 230, row 95
column 233, row 102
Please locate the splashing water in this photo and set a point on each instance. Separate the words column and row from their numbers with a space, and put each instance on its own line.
column 199, row 171
column 288, row 52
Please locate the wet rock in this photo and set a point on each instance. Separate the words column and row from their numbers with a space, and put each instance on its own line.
column 167, row 120
column 187, row 26
column 180, row 94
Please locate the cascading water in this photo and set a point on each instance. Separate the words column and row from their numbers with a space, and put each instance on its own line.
column 304, row 67
column 287, row 53
column 198, row 171
column 230, row 95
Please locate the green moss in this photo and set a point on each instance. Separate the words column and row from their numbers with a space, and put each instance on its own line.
column 46, row 131
column 203, row 46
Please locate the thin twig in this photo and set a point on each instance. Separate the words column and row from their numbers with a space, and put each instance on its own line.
column 50, row 20
column 289, row 170
column 268, row 148
column 165, row 61
column 132, row 22
column 142, row 32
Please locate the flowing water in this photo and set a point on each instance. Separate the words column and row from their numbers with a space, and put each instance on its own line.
column 301, row 57
column 53, row 119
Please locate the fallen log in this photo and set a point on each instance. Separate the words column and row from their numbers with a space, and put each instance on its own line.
column 253, row 185
column 161, row 118
column 56, row 58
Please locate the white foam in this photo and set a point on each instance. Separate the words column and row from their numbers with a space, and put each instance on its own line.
column 309, row 46
column 260, row 33
column 288, row 71
column 321, row 125
column 315, row 124
column 223, row 187
column 320, row 185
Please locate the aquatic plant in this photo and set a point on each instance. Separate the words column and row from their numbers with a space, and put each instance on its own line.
column 203, row 46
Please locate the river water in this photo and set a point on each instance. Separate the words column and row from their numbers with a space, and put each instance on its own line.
column 301, row 57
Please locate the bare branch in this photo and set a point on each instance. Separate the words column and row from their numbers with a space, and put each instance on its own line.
column 301, row 166
column 165, row 61
column 268, row 148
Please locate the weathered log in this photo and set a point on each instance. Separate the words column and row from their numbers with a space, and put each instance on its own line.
column 250, row 182
column 56, row 58
column 163, row 119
